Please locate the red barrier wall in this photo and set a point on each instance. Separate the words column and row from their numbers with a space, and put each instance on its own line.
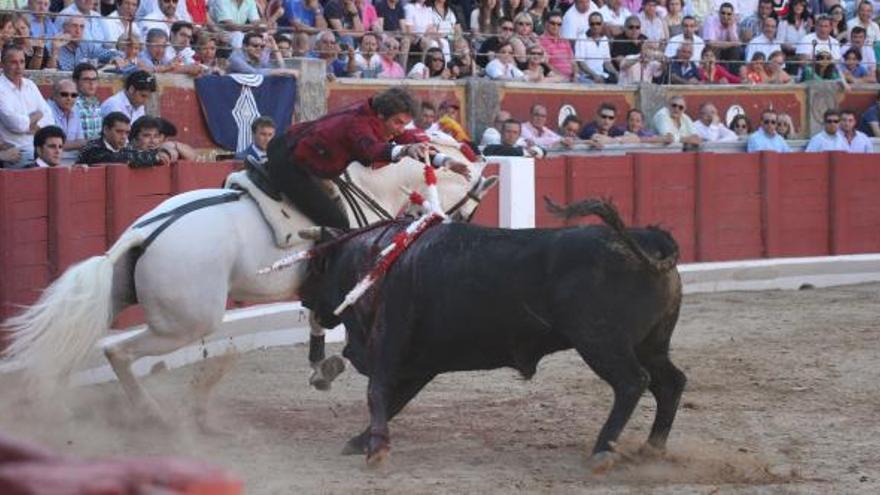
column 855, row 204
column 487, row 213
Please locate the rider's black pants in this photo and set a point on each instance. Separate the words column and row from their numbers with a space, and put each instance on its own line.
column 302, row 188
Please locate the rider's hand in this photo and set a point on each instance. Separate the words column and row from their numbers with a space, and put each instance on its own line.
column 416, row 151
column 459, row 168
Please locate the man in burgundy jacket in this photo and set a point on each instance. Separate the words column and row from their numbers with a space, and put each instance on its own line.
column 371, row 133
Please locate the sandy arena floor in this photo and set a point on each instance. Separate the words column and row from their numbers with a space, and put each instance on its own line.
column 783, row 397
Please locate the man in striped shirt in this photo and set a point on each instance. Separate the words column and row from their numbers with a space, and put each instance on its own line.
column 87, row 105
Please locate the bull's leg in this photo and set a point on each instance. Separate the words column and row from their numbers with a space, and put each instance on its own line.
column 616, row 363
column 400, row 396
column 667, row 385
column 324, row 370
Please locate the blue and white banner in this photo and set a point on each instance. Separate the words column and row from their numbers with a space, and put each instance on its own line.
column 231, row 103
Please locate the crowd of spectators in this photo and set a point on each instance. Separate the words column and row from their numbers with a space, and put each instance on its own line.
column 541, row 41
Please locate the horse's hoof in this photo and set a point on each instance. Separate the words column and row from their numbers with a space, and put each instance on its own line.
column 379, row 458
column 326, row 371
column 355, row 446
column 602, row 462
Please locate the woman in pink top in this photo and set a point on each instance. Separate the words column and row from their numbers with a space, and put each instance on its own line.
column 388, row 55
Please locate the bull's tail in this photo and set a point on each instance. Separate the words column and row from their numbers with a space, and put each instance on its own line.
column 608, row 213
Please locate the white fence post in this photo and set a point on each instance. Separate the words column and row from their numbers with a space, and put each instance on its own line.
column 516, row 192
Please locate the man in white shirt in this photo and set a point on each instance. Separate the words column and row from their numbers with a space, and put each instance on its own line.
column 857, row 38
column 856, row 140
column 23, row 110
column 94, row 31
column 163, row 17
column 147, row 7
column 688, row 33
column 492, row 134
column 614, row 15
column 710, row 129
column 865, row 19
column 139, row 85
column 576, row 20
column 829, row 138
column 535, row 131
column 673, row 121
column 121, row 21
column 821, row 40
column 592, row 54
column 766, row 42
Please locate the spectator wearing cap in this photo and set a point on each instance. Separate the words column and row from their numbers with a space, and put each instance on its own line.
column 557, row 50
column 819, row 41
column 767, row 137
column 164, row 17
column 673, row 120
column 113, row 146
column 23, row 110
column 688, row 34
column 262, row 131
column 856, row 140
column 829, row 138
column 139, row 86
column 593, row 54
column 70, row 47
column 87, row 105
column 535, row 130
column 721, row 34
column 48, row 146
column 63, row 101
column 93, row 29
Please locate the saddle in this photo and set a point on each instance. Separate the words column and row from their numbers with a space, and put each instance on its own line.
column 277, row 210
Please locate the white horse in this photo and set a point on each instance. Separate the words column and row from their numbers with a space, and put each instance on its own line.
column 183, row 278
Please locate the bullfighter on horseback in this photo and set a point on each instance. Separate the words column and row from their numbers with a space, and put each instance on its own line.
column 372, row 133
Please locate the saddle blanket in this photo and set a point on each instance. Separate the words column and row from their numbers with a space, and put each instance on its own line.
column 280, row 215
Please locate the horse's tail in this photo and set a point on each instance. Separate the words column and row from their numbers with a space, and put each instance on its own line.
column 608, row 213
column 50, row 338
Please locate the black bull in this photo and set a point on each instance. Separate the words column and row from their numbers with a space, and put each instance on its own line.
column 465, row 297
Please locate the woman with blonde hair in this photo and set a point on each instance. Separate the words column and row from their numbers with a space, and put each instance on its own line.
column 785, row 126
column 523, row 38
column 130, row 46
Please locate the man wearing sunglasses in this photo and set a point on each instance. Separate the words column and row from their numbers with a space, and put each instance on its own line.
column 829, row 138
column 766, row 138
column 673, row 121
column 628, row 43
column 593, row 54
column 557, row 49
column 64, row 95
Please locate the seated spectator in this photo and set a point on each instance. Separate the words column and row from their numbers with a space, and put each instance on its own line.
column 388, row 57
column 63, row 101
column 510, row 143
column 369, row 16
column 523, row 38
column 645, row 67
column 766, row 43
column 629, row 43
column 147, row 7
column 154, row 58
column 503, row 67
column 284, row 44
column 681, row 69
column 367, row 61
column 740, row 126
column 614, row 14
column 485, row 16
column 303, row 15
column 593, row 54
column 857, row 41
column 391, row 15
column 490, row 46
column 710, row 128
column 302, row 44
column 674, row 17
column 130, row 46
column 829, row 138
column 22, row 38
column 48, row 145
column 432, row 66
column 23, row 110
column 343, row 16
column 263, row 130
column 559, row 54
column 571, row 127
column 180, row 50
column 576, row 20
column 112, row 146
column 721, row 34
column 253, row 58
column 42, row 30
column 797, row 22
column 775, row 69
column 870, row 121
column 166, row 14
column 754, row 72
column 535, row 131
column 818, row 42
column 673, row 120
column 92, row 30
column 785, row 126
column 69, row 48
column 10, row 155
column 837, row 13
column 462, row 64
column 856, row 140
column 327, row 49
column 87, row 106
column 635, row 126
column 853, row 71
column 864, row 19
column 167, row 131
column 492, row 134
column 539, row 71
column 539, row 10
column 752, row 23
column 822, row 69
column 688, row 34
column 206, row 54
column 139, row 86
column 653, row 26
column 711, row 72
column 766, row 138
column 602, row 129
column 7, row 29
column 121, row 22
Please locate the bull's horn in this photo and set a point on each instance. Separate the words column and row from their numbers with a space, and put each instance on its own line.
column 310, row 233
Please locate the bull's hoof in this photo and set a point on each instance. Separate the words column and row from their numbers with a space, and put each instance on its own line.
column 326, row 371
column 379, row 458
column 355, row 446
column 648, row 451
column 602, row 462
